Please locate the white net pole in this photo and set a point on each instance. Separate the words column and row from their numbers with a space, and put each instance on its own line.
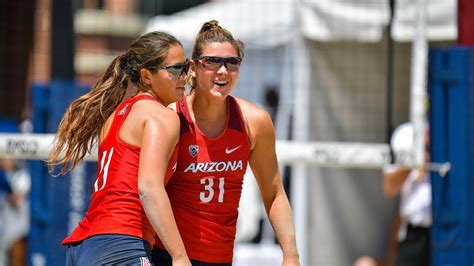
column 418, row 84
column 301, row 110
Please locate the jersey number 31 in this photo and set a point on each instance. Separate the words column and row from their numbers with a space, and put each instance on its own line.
column 209, row 187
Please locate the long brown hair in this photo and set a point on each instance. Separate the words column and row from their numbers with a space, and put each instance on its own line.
column 210, row 32
column 84, row 118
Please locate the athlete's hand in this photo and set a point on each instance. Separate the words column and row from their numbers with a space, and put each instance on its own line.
column 291, row 261
column 182, row 261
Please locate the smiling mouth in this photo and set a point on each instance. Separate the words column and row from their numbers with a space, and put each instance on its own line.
column 221, row 83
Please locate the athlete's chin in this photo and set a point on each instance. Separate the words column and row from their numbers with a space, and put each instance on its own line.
column 221, row 92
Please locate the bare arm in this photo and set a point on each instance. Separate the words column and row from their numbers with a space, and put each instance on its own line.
column 160, row 135
column 393, row 179
column 264, row 164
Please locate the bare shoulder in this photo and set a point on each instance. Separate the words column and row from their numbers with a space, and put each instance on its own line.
column 253, row 114
column 257, row 122
column 155, row 112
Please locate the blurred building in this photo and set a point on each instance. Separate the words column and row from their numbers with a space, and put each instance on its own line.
column 16, row 46
column 104, row 28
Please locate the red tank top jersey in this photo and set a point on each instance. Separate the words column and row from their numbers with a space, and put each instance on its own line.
column 115, row 206
column 205, row 190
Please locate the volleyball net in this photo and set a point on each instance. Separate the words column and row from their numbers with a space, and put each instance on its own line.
column 324, row 154
column 357, row 155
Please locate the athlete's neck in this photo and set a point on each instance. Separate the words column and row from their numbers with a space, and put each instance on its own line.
column 149, row 93
column 206, row 108
column 210, row 116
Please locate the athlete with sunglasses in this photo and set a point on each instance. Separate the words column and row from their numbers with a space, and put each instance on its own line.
column 220, row 135
column 126, row 112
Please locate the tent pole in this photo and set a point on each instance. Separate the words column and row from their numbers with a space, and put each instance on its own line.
column 300, row 132
column 389, row 99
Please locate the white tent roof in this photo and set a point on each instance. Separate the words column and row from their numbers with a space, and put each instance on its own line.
column 332, row 20
column 441, row 16
column 258, row 22
column 275, row 22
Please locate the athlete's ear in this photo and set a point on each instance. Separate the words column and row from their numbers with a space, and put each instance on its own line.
column 191, row 79
column 145, row 76
column 192, row 65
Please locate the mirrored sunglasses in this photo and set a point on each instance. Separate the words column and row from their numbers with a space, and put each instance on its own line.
column 176, row 70
column 216, row 62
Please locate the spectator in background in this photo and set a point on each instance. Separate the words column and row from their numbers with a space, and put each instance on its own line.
column 365, row 261
column 272, row 101
column 15, row 184
column 5, row 192
column 414, row 188
column 14, row 212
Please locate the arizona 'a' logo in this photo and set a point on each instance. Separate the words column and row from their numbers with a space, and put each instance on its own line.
column 124, row 109
column 193, row 150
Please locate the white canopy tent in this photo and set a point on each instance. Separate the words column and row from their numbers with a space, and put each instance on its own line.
column 441, row 20
column 275, row 22
column 237, row 16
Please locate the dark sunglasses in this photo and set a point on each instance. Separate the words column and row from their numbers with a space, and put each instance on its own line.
column 175, row 70
column 216, row 62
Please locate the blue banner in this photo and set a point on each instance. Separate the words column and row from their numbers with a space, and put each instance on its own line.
column 451, row 88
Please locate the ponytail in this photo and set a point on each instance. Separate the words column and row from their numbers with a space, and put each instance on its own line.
column 83, row 120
